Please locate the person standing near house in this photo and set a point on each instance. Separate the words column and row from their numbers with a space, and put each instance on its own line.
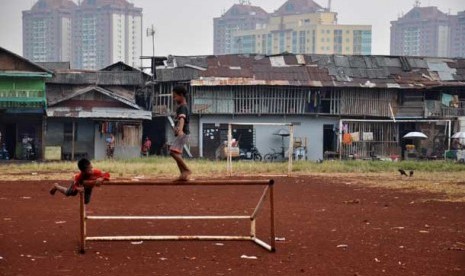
column 181, row 131
column 146, row 146
column 110, row 145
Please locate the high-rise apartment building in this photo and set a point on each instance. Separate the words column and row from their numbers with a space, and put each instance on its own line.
column 302, row 26
column 423, row 31
column 241, row 16
column 105, row 32
column 457, row 45
column 91, row 35
column 427, row 31
column 47, row 31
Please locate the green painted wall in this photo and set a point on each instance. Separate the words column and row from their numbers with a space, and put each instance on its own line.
column 22, row 92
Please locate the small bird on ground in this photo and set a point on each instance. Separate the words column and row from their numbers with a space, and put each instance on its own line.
column 402, row 172
column 411, row 173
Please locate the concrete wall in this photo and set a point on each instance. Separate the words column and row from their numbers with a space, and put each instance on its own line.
column 121, row 151
column 54, row 136
column 310, row 127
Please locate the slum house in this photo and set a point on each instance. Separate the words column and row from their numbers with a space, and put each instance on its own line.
column 86, row 107
column 344, row 106
column 22, row 107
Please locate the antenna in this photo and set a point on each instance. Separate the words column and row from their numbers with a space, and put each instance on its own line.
column 417, row 3
column 244, row 2
column 329, row 5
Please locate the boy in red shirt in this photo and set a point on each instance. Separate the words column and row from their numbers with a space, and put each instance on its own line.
column 87, row 173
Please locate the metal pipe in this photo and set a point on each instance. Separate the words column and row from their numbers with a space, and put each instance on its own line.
column 260, row 203
column 218, row 182
column 253, row 228
column 272, row 230
column 164, row 217
column 168, row 238
column 264, row 244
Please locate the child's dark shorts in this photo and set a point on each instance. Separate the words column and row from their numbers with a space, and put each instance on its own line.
column 72, row 191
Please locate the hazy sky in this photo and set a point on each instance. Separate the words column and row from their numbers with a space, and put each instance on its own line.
column 185, row 27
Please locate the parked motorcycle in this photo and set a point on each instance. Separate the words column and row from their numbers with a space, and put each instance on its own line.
column 28, row 148
column 252, row 154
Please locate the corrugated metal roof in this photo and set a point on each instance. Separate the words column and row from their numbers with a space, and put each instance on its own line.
column 317, row 70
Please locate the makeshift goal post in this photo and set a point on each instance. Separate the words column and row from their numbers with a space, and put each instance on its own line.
column 267, row 192
column 229, row 166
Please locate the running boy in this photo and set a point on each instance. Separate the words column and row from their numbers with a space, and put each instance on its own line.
column 87, row 173
column 181, row 131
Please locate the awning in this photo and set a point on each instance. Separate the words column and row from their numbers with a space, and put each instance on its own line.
column 98, row 113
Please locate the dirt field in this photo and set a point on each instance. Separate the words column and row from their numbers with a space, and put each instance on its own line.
column 326, row 227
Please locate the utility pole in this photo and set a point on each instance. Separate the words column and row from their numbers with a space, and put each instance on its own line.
column 151, row 32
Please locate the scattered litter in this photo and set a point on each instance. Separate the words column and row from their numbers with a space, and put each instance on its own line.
column 60, row 222
column 424, row 231
column 34, row 173
column 458, row 246
column 44, row 241
column 427, row 226
column 33, row 260
column 377, row 260
column 1, row 258
column 138, row 177
column 342, row 246
column 398, row 228
column 248, row 257
column 26, row 197
column 354, row 201
column 6, row 218
column 402, row 246
column 219, row 244
column 163, row 259
column 137, row 242
column 279, row 239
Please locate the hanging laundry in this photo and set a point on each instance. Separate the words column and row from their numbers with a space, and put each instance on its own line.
column 347, row 139
column 355, row 136
column 368, row 136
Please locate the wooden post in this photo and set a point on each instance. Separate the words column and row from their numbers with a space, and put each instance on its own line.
column 72, row 141
column 82, row 218
column 290, row 152
column 229, row 160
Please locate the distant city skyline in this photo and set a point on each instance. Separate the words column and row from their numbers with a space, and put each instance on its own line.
column 189, row 31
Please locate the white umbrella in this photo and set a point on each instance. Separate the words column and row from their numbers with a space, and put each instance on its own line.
column 459, row 135
column 415, row 135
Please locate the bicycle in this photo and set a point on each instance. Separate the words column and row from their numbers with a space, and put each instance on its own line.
column 275, row 155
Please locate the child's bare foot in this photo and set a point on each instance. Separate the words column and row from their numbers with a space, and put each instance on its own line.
column 180, row 178
column 185, row 175
column 53, row 190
